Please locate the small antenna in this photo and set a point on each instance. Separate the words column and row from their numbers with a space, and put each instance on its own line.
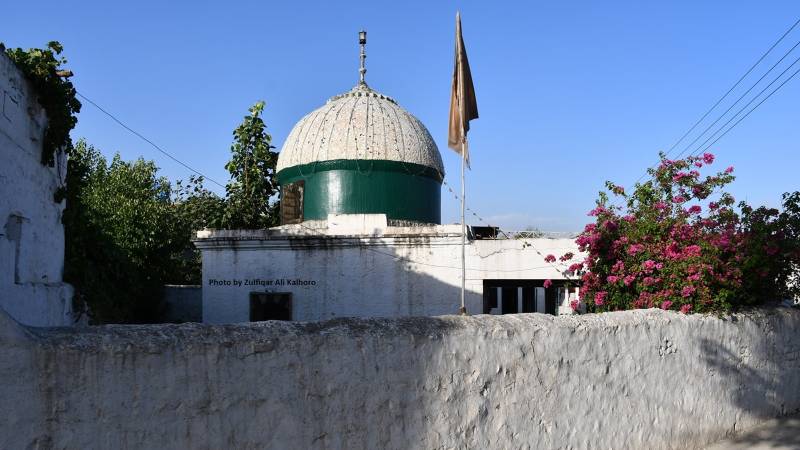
column 362, row 41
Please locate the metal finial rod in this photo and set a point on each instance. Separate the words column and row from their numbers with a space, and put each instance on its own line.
column 362, row 41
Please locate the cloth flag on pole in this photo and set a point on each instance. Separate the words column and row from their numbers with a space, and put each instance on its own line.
column 463, row 106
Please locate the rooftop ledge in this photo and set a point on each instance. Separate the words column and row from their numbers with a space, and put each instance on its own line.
column 344, row 225
column 356, row 227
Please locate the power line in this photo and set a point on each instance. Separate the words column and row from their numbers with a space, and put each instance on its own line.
column 728, row 93
column 140, row 136
column 553, row 265
column 154, row 145
column 734, row 85
column 748, row 112
column 740, row 98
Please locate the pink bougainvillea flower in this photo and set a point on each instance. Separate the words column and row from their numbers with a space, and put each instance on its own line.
column 713, row 206
column 596, row 212
column 635, row 248
column 566, row 257
column 574, row 305
column 698, row 164
column 692, row 251
column 672, row 251
column 729, row 169
column 666, row 304
column 686, row 308
column 547, row 283
column 659, row 205
column 679, row 176
column 649, row 264
column 687, row 291
column 600, row 298
column 708, row 158
column 612, row 279
column 575, row 267
column 629, row 279
column 694, row 209
column 550, row 259
column 678, row 199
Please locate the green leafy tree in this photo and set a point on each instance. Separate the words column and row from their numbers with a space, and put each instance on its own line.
column 252, row 190
column 194, row 208
column 122, row 236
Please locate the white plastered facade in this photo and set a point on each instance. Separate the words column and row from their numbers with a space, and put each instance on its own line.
column 357, row 266
column 31, row 233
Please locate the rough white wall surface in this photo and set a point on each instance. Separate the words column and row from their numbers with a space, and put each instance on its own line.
column 643, row 379
column 31, row 233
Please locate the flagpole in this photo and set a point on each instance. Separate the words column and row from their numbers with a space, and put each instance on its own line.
column 463, row 310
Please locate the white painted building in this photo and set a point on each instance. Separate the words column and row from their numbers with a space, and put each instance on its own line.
column 31, row 233
column 361, row 191
column 358, row 266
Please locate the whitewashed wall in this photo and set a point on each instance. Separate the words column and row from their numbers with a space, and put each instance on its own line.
column 397, row 272
column 644, row 379
column 31, row 233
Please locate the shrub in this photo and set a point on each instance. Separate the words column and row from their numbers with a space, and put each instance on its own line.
column 678, row 242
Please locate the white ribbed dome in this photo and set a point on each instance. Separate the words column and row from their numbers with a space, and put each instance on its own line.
column 360, row 124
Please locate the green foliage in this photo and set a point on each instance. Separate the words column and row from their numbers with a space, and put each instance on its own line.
column 252, row 168
column 125, row 237
column 194, row 208
column 43, row 68
column 772, row 249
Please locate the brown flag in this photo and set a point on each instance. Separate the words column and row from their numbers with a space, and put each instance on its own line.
column 463, row 106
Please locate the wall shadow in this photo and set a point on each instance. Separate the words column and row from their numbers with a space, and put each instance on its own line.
column 756, row 353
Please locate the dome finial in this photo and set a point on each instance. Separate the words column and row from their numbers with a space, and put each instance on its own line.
column 362, row 41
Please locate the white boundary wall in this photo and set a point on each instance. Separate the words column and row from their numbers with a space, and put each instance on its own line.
column 31, row 233
column 643, row 379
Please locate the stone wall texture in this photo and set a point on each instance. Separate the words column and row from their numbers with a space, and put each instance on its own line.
column 31, row 233
column 639, row 379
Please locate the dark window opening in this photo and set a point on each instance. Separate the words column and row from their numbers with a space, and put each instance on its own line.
column 484, row 232
column 270, row 306
column 510, row 300
column 523, row 296
column 292, row 203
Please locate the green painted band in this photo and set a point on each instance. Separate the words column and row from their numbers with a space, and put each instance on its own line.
column 362, row 166
column 370, row 187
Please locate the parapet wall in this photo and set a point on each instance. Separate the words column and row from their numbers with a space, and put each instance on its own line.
column 637, row 379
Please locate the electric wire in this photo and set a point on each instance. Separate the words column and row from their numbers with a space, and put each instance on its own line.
column 698, row 151
column 769, row 50
column 734, row 86
column 185, row 165
column 140, row 136
column 740, row 99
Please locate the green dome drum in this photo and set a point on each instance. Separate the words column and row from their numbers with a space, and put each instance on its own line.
column 361, row 153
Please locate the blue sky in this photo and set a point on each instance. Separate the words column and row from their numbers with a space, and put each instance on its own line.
column 570, row 93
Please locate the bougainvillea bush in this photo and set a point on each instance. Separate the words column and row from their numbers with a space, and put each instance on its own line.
column 679, row 242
